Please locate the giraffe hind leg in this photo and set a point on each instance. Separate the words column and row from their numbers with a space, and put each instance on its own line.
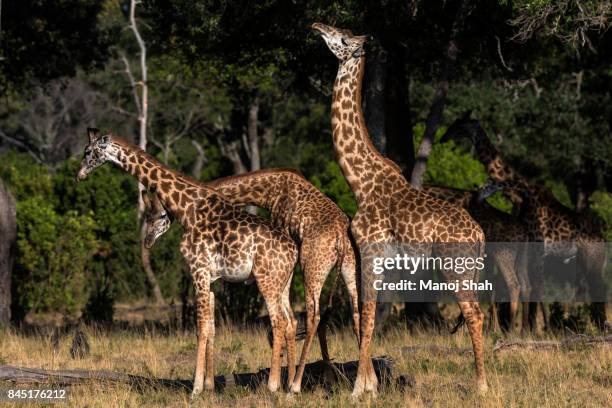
column 315, row 274
column 474, row 318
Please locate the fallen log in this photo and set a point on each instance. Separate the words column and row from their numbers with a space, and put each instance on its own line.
column 438, row 350
column 570, row 343
column 319, row 373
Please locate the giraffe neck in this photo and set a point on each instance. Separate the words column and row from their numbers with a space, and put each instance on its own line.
column 461, row 198
column 176, row 191
column 359, row 160
column 488, row 155
column 264, row 188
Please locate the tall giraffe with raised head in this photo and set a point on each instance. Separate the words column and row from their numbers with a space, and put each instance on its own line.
column 390, row 211
column 562, row 231
column 220, row 241
column 315, row 223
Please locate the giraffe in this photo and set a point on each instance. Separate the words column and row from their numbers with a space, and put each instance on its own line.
column 547, row 220
column 564, row 233
column 505, row 238
column 317, row 225
column 219, row 241
column 390, row 210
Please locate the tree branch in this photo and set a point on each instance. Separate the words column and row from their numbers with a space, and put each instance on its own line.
column 436, row 109
column 22, row 145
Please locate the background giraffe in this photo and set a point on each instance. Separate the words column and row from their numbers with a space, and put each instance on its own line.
column 390, row 211
column 219, row 241
column 564, row 234
column 547, row 220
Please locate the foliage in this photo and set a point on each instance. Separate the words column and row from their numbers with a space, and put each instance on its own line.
column 52, row 248
column 47, row 39
column 601, row 203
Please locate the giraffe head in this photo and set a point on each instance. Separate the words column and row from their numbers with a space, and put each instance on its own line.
column 464, row 127
column 513, row 190
column 156, row 218
column 491, row 187
column 96, row 153
column 342, row 43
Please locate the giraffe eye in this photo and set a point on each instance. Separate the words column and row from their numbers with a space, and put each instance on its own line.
column 344, row 42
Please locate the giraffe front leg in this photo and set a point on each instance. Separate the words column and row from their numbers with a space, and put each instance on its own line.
column 279, row 327
column 366, row 380
column 202, row 292
column 209, row 382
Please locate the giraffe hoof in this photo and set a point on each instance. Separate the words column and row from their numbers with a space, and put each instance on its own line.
column 272, row 386
column 295, row 389
column 359, row 395
column 482, row 387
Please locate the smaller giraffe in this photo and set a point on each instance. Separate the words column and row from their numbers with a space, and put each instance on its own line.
column 317, row 225
column 505, row 238
column 220, row 241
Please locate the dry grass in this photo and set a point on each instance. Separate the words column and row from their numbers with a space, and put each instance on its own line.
column 516, row 378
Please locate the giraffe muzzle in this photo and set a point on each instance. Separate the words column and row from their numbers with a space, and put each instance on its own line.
column 81, row 175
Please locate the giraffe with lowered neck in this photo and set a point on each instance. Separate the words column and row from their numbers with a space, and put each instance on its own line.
column 505, row 239
column 220, row 241
column 391, row 211
column 563, row 232
column 316, row 224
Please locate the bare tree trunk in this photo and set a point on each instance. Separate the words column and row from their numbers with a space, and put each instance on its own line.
column 374, row 97
column 437, row 107
column 400, row 143
column 253, row 145
column 196, row 170
column 142, row 100
column 8, row 235
column 231, row 150
column 140, row 91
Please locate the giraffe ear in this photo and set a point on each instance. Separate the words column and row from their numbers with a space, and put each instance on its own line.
column 93, row 133
column 146, row 200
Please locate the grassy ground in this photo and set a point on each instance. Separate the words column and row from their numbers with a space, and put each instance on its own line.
column 516, row 378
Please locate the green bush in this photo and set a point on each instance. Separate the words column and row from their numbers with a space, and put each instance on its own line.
column 53, row 251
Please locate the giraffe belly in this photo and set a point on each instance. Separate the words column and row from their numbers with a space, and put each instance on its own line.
column 237, row 271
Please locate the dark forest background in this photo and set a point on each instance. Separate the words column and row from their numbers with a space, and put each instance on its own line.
column 241, row 85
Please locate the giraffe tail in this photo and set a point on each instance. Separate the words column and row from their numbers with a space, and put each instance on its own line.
column 460, row 322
